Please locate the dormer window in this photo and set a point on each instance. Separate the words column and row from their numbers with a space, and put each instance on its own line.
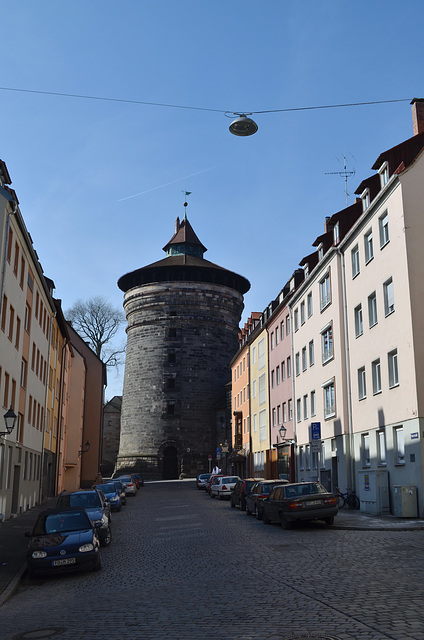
column 320, row 252
column 384, row 174
column 336, row 233
column 306, row 270
column 365, row 197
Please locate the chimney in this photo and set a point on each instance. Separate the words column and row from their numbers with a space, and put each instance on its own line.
column 177, row 225
column 418, row 115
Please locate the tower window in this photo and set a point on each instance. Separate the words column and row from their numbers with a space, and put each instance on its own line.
column 172, row 332
column 170, row 408
column 172, row 357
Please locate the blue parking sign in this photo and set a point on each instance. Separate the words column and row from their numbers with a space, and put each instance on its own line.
column 315, row 431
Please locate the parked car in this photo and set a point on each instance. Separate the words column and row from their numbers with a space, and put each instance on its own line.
column 212, row 479
column 258, row 492
column 238, row 494
column 223, row 486
column 112, row 493
column 130, row 485
column 120, row 486
column 135, row 480
column 140, row 479
column 202, row 479
column 299, row 501
column 63, row 540
column 97, row 507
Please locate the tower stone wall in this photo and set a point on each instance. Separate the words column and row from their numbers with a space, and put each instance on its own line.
column 180, row 339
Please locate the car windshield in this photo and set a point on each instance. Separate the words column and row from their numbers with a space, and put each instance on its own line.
column 126, row 479
column 84, row 500
column 307, row 489
column 106, row 488
column 60, row 522
column 228, row 480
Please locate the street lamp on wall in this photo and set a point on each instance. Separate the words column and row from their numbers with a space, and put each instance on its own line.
column 85, row 449
column 10, row 418
column 282, row 431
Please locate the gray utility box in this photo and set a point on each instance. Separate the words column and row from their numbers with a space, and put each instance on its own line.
column 373, row 491
column 405, row 504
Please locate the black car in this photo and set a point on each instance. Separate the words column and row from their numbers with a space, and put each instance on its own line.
column 140, row 479
column 97, row 507
column 299, row 501
column 63, row 540
column 238, row 494
column 257, row 494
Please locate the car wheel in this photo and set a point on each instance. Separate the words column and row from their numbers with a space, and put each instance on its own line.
column 243, row 505
column 248, row 512
column 284, row 522
column 232, row 505
column 107, row 539
column 258, row 514
column 329, row 520
column 265, row 519
column 212, row 495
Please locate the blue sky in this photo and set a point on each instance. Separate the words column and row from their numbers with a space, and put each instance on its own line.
column 100, row 182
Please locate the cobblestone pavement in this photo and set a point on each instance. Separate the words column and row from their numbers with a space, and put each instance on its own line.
column 184, row 567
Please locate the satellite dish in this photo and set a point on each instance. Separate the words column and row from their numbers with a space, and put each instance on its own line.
column 243, row 126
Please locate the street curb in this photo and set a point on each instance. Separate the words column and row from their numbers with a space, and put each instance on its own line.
column 371, row 528
column 13, row 585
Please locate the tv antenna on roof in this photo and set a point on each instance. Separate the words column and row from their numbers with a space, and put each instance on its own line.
column 346, row 174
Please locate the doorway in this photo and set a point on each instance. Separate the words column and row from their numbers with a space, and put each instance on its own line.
column 170, row 464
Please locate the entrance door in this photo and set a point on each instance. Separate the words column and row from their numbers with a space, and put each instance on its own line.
column 170, row 464
column 15, row 490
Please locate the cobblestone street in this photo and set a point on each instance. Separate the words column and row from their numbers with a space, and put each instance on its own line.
column 185, row 567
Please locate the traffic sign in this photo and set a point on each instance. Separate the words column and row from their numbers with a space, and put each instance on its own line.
column 315, row 431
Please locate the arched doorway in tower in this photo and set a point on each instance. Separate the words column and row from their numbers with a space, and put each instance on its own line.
column 170, row 463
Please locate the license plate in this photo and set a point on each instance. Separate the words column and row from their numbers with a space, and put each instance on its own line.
column 63, row 561
column 312, row 502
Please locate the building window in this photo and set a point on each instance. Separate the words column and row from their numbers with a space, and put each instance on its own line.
column 304, row 359
column 272, row 379
column 329, row 399
column 302, row 312
column 255, row 422
column 262, row 389
column 383, row 225
column 261, row 354
column 277, row 375
column 399, row 445
column 278, row 414
column 172, row 358
column 362, row 385
column 11, row 321
column 287, row 325
column 359, row 327
column 336, row 233
column 272, row 341
column 325, row 291
column 254, row 355
column 311, row 353
column 254, row 388
column 355, row 261
column 301, row 459
column 297, row 363
column 381, row 448
column 172, row 332
column 288, row 366
column 282, row 330
column 296, row 319
column 298, row 410
column 313, row 404
column 376, row 376
column 284, row 412
column 372, row 309
column 283, row 370
column 305, row 407
column 4, row 313
column 368, row 247
column 365, row 447
column 384, row 174
column 276, row 337
column 392, row 358
column 170, row 408
column 274, row 417
column 365, row 197
column 310, row 305
column 389, row 300
column 290, row 403
column 327, row 344
column 262, row 425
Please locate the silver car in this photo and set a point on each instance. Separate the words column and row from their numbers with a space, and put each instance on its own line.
column 223, row 486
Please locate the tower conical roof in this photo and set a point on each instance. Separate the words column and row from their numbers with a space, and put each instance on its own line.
column 184, row 241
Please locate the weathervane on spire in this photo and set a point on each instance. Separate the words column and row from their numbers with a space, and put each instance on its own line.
column 186, row 193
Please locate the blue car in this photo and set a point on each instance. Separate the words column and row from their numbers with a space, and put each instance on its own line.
column 112, row 493
column 63, row 540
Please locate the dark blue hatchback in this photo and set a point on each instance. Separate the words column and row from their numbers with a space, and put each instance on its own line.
column 63, row 540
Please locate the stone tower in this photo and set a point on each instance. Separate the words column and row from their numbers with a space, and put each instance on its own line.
column 183, row 315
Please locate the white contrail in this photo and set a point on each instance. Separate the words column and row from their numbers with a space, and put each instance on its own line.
column 168, row 183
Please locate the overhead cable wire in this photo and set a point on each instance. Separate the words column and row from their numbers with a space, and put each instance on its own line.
column 180, row 106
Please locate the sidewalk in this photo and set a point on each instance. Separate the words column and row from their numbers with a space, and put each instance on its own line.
column 13, row 542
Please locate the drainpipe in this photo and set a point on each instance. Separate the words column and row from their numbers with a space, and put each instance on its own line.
column 3, row 270
column 350, row 451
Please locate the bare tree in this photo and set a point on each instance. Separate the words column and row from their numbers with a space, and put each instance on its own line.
column 98, row 322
